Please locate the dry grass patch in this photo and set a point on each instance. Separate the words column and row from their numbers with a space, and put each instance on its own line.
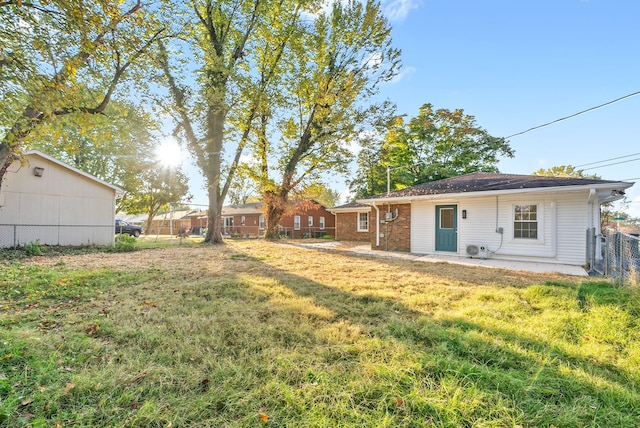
column 254, row 333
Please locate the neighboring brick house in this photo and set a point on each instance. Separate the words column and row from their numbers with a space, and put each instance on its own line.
column 244, row 220
column 352, row 222
column 169, row 223
column 198, row 222
column 308, row 219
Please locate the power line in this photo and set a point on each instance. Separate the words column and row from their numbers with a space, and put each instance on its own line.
column 614, row 163
column 607, row 160
column 573, row 115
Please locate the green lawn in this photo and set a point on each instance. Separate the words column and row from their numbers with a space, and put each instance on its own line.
column 253, row 334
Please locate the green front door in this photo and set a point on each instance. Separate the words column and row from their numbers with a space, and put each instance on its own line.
column 447, row 228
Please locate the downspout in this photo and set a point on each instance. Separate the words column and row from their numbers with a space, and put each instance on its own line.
column 377, row 224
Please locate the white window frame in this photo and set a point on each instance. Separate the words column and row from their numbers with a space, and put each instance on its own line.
column 296, row 222
column 243, row 220
column 310, row 221
column 261, row 222
column 539, row 222
column 321, row 223
column 363, row 225
column 228, row 222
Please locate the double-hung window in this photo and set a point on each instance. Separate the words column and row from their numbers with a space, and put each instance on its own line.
column 525, row 221
column 321, row 223
column 310, row 221
column 363, row 222
column 296, row 222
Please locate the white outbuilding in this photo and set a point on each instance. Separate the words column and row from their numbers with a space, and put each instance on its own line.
column 47, row 201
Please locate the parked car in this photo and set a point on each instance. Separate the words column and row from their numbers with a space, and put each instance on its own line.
column 131, row 229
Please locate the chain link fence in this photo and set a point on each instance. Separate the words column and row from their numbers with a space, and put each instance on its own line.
column 621, row 257
column 19, row 235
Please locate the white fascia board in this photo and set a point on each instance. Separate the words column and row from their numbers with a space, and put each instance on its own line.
column 76, row 170
column 408, row 199
column 350, row 210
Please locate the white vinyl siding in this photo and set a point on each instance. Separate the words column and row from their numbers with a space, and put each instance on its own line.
column 68, row 208
column 562, row 224
column 525, row 221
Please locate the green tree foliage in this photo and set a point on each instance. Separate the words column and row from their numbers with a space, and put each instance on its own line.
column 335, row 66
column 116, row 147
column 435, row 144
column 234, row 49
column 62, row 57
column 243, row 188
column 321, row 193
column 565, row 171
column 161, row 186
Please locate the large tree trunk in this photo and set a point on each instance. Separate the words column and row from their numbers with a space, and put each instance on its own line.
column 214, row 220
column 275, row 207
column 215, row 135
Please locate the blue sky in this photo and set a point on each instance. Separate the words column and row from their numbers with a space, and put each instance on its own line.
column 517, row 64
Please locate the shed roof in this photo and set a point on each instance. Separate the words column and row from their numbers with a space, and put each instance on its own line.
column 73, row 169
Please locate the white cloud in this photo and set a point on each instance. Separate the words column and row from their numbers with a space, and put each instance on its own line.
column 345, row 196
column 397, row 10
column 406, row 71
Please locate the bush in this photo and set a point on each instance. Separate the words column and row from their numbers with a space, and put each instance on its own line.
column 33, row 248
column 124, row 243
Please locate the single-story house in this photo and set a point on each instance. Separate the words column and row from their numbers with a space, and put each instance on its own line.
column 43, row 199
column 352, row 222
column 304, row 219
column 244, row 220
column 307, row 219
column 505, row 216
column 169, row 223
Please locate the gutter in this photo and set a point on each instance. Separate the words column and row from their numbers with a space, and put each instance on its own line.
column 377, row 224
column 407, row 199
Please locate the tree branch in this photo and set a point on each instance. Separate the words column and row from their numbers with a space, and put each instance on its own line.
column 179, row 98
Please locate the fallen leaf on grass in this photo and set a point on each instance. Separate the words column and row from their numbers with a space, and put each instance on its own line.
column 264, row 418
column 93, row 329
column 139, row 377
column 27, row 402
column 68, row 388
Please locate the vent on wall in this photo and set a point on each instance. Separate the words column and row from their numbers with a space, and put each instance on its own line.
column 480, row 251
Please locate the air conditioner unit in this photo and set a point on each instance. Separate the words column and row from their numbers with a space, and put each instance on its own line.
column 480, row 251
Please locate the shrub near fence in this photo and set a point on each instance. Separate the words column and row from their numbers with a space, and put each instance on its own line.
column 622, row 257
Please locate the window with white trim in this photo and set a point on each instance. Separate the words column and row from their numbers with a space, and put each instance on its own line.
column 525, row 221
column 243, row 220
column 261, row 222
column 228, row 221
column 296, row 222
column 310, row 221
column 321, row 223
column 363, row 222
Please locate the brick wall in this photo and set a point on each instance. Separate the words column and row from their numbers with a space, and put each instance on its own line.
column 347, row 227
column 397, row 233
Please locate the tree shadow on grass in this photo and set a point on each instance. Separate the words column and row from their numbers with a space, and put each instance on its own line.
column 479, row 274
column 544, row 385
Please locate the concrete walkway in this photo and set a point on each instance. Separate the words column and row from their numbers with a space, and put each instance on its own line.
column 366, row 250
